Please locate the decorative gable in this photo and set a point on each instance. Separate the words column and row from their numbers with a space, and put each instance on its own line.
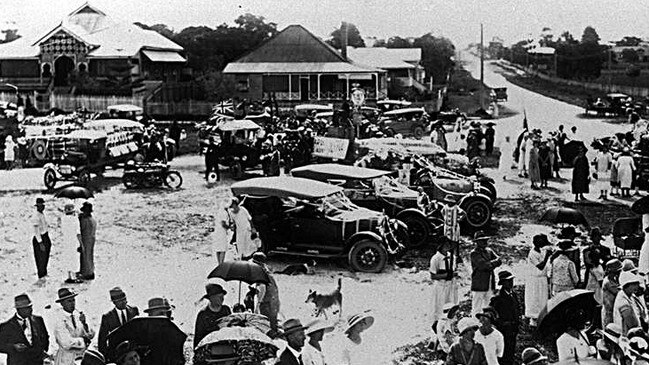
column 62, row 43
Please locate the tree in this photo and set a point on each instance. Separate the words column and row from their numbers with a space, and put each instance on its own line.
column 630, row 55
column 546, row 37
column 629, row 41
column 380, row 43
column 354, row 38
column 590, row 36
column 436, row 55
column 398, row 42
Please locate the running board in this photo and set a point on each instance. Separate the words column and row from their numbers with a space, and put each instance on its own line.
column 305, row 254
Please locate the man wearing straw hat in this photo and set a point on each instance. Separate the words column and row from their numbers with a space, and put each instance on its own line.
column 115, row 318
column 506, row 307
column 312, row 352
column 483, row 281
column 72, row 333
column 24, row 337
column 295, row 337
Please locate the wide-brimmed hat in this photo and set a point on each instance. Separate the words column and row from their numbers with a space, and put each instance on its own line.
column 319, row 325
column 22, row 301
column 448, row 307
column 566, row 245
column 213, row 289
column 39, row 201
column 467, row 323
column 65, row 293
column 259, row 257
column 116, row 294
column 531, row 355
column 93, row 357
column 365, row 320
column 481, row 236
column 568, row 233
column 487, row 314
column 541, row 240
column 614, row 265
column 505, row 275
column 612, row 332
column 449, row 198
column 68, row 208
column 627, row 277
column 292, row 325
column 86, row 207
column 158, row 303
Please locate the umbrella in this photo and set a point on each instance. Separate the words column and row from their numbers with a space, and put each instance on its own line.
column 641, row 206
column 249, row 344
column 251, row 320
column 246, row 271
column 564, row 215
column 552, row 318
column 74, row 192
column 163, row 338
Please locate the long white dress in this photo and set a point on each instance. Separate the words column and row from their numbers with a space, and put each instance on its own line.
column 10, row 152
column 602, row 166
column 221, row 236
column 536, row 286
column 506, row 158
column 69, row 230
column 243, row 228
column 443, row 291
column 625, row 168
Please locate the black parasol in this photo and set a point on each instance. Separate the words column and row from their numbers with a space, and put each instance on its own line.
column 159, row 334
column 641, row 206
column 74, row 192
column 246, row 271
column 552, row 318
column 562, row 215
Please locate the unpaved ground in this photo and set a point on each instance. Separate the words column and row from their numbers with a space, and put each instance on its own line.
column 156, row 242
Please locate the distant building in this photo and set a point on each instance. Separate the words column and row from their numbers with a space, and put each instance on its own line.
column 641, row 49
column 403, row 66
column 89, row 43
column 495, row 48
column 297, row 66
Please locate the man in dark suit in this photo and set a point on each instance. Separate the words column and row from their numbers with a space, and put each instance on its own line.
column 24, row 337
column 295, row 336
column 506, row 306
column 114, row 318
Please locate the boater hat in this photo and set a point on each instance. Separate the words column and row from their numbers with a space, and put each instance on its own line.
column 504, row 275
column 318, row 325
column 531, row 355
column 467, row 323
column 22, row 301
column 292, row 325
column 65, row 293
column 362, row 319
column 614, row 265
column 116, row 294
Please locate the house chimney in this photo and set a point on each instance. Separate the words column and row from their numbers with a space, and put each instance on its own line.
column 343, row 35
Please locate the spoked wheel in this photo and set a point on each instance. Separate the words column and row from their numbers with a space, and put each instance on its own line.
column 129, row 181
column 418, row 132
column 418, row 230
column 478, row 212
column 49, row 179
column 368, row 256
column 173, row 179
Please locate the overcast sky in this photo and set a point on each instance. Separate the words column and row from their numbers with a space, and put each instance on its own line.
column 458, row 20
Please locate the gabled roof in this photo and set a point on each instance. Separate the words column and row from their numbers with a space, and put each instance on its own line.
column 386, row 58
column 108, row 38
column 295, row 50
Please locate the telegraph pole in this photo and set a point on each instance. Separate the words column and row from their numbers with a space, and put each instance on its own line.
column 481, row 66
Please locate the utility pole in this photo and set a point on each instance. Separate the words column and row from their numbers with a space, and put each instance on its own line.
column 481, row 66
column 609, row 68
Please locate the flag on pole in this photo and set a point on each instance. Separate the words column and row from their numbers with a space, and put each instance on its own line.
column 526, row 127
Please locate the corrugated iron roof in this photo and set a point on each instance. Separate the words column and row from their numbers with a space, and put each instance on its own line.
column 296, row 67
column 385, row 58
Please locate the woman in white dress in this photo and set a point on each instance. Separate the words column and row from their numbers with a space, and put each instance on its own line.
column 70, row 230
column 10, row 152
column 625, row 170
column 243, row 231
column 222, row 235
column 506, row 157
column 536, row 286
column 603, row 163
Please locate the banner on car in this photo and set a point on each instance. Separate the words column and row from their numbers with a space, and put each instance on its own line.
column 328, row 147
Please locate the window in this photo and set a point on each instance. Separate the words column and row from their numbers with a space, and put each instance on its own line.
column 19, row 68
column 242, row 83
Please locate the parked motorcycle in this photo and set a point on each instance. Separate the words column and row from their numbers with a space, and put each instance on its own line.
column 150, row 175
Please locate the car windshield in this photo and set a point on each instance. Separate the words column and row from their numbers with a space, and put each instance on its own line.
column 385, row 184
column 337, row 203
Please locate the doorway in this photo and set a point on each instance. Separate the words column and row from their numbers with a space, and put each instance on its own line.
column 304, row 89
column 62, row 68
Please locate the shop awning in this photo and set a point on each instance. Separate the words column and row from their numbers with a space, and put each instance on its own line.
column 164, row 56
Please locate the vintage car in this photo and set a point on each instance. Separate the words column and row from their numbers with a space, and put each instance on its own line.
column 308, row 110
column 238, row 144
column 614, row 104
column 498, row 94
column 407, row 122
column 387, row 105
column 376, row 190
column 303, row 217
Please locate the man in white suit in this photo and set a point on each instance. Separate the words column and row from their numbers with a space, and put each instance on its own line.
column 72, row 333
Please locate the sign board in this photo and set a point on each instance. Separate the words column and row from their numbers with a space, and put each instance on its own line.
column 421, row 147
column 358, row 97
column 328, row 147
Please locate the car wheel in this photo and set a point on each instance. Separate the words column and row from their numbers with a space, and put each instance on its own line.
column 129, row 181
column 49, row 179
column 173, row 179
column 418, row 230
column 390, row 132
column 236, row 170
column 84, row 178
column 418, row 132
column 491, row 188
column 368, row 256
column 478, row 212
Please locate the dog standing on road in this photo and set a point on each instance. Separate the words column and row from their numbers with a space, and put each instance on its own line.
column 324, row 302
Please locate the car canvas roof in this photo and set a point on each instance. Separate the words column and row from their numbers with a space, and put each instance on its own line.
column 332, row 171
column 236, row 125
column 313, row 107
column 617, row 95
column 125, row 108
column 404, row 111
column 284, row 187
column 394, row 102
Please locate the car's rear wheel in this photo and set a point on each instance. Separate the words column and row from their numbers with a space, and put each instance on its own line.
column 368, row 256
column 478, row 212
column 418, row 230
column 418, row 132
column 49, row 179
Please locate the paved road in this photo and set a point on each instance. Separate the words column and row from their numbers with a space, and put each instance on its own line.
column 542, row 112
